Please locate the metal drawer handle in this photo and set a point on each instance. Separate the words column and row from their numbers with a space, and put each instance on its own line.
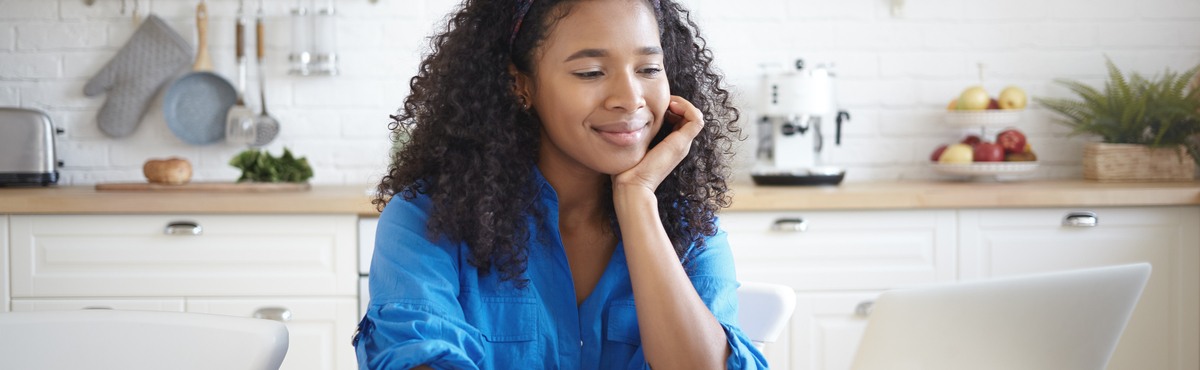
column 183, row 228
column 863, row 309
column 1081, row 219
column 274, row 313
column 790, row 224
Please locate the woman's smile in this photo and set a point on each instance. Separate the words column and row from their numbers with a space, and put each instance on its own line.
column 623, row 134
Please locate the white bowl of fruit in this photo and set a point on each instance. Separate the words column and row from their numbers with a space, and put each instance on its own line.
column 1010, row 153
column 974, row 107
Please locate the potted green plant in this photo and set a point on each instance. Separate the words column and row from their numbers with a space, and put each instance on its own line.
column 1147, row 125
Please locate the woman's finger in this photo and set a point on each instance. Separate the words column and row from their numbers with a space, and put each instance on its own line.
column 689, row 114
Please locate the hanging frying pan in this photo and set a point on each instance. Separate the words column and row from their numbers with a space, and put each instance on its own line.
column 195, row 105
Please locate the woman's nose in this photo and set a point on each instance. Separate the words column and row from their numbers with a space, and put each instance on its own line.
column 625, row 93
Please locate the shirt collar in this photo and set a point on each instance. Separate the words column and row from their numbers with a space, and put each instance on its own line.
column 543, row 191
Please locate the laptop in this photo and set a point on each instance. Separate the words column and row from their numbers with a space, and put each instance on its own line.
column 1068, row 320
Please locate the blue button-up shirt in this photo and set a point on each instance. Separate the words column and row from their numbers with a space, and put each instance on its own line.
column 429, row 306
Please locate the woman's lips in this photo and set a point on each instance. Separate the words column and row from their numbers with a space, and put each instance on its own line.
column 622, row 136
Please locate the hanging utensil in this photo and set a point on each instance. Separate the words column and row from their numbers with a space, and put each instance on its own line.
column 195, row 105
column 203, row 61
column 240, row 120
column 266, row 127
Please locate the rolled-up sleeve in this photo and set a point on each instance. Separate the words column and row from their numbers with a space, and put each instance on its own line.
column 712, row 272
column 414, row 317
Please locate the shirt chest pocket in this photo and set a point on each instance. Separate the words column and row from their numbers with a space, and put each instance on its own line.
column 510, row 319
column 623, row 323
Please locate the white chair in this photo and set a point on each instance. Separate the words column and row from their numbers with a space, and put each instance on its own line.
column 764, row 310
column 137, row 340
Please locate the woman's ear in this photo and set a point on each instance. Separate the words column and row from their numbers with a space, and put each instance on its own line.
column 522, row 87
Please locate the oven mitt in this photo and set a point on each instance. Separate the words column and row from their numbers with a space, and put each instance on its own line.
column 153, row 55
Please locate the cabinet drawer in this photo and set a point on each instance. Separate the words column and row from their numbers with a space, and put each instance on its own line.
column 843, row 250
column 136, row 304
column 135, row 256
column 319, row 330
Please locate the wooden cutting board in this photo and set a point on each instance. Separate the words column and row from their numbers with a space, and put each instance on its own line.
column 223, row 187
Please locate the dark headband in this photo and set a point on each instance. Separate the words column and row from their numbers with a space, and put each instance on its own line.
column 522, row 8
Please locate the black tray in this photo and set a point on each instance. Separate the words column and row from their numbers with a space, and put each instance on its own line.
column 793, row 180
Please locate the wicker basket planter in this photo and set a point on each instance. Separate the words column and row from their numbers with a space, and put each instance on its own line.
column 1132, row 162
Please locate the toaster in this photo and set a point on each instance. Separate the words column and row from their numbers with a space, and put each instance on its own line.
column 26, row 148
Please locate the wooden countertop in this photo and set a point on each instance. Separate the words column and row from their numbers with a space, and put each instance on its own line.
column 908, row 195
column 355, row 199
column 87, row 200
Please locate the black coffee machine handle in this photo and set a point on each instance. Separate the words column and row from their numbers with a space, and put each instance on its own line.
column 837, row 138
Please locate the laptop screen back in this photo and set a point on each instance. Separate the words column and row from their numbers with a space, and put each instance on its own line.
column 1058, row 321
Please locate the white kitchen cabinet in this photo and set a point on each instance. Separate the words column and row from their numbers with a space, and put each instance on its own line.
column 319, row 329
column 835, row 260
column 5, row 278
column 366, row 250
column 223, row 264
column 845, row 258
column 366, row 243
column 827, row 327
column 1164, row 332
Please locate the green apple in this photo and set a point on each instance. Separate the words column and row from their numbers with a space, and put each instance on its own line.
column 957, row 153
column 974, row 98
column 1013, row 97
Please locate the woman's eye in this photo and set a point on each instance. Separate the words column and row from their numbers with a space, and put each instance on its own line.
column 589, row 74
column 651, row 71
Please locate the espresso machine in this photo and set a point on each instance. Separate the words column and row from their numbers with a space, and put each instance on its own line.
column 799, row 114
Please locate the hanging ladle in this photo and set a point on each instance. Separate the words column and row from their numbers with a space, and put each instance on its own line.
column 266, row 127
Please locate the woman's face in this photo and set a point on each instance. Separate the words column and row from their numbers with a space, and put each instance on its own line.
column 600, row 88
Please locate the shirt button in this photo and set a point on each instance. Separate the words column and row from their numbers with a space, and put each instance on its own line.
column 581, row 343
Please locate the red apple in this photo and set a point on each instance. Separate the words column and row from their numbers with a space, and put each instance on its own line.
column 993, row 104
column 971, row 140
column 1011, row 140
column 937, row 153
column 988, row 152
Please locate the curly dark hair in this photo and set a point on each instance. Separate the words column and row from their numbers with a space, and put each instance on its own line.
column 471, row 148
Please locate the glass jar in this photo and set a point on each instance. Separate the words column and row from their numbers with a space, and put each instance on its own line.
column 314, row 38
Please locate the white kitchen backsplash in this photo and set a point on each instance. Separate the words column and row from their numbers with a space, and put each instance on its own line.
column 896, row 73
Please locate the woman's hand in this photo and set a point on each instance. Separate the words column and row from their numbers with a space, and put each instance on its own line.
column 686, row 122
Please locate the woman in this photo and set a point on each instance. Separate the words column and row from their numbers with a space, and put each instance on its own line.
column 555, row 204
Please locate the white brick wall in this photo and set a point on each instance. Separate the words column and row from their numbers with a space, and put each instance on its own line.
column 895, row 73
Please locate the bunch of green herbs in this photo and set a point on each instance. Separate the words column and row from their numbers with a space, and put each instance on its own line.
column 261, row 166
